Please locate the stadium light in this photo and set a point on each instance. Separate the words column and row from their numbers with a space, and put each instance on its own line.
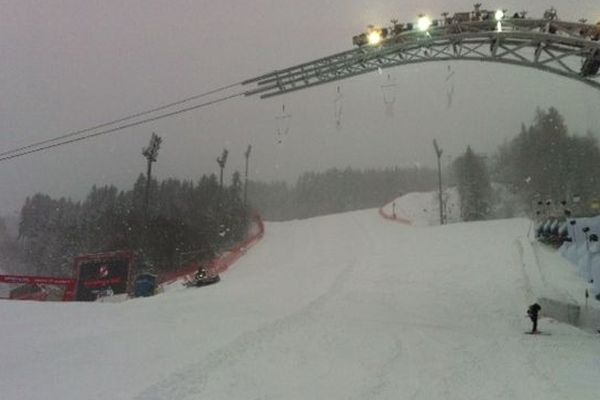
column 499, row 17
column 424, row 23
column 151, row 154
column 374, row 37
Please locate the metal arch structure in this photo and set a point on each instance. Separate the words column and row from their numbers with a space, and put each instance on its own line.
column 564, row 48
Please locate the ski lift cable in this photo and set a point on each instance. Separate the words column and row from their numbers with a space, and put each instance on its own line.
column 283, row 115
column 116, row 121
column 450, row 73
column 390, row 96
column 338, row 107
column 388, row 91
column 450, row 90
column 283, row 122
column 119, row 128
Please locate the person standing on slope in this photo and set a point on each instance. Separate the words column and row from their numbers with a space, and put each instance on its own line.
column 533, row 312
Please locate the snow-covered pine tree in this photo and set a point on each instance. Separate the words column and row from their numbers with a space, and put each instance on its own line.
column 474, row 186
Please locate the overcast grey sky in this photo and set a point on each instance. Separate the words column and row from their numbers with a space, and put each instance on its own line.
column 67, row 65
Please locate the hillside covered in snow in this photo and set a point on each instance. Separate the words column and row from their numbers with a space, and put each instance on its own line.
column 348, row 306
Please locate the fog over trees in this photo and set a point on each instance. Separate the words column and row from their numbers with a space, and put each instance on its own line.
column 183, row 216
column 543, row 161
column 335, row 190
column 474, row 187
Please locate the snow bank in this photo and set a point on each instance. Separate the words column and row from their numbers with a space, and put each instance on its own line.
column 583, row 254
column 553, row 282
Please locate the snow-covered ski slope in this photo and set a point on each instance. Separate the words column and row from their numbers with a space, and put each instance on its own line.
column 422, row 208
column 349, row 306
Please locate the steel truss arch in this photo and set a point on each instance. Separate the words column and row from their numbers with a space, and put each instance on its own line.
column 561, row 48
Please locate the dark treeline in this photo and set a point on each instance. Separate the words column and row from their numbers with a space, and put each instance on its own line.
column 474, row 187
column 183, row 216
column 335, row 191
column 8, row 249
column 545, row 162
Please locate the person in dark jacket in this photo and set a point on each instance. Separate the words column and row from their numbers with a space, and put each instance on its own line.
column 533, row 312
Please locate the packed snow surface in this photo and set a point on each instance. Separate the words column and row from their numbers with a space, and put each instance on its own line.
column 349, row 306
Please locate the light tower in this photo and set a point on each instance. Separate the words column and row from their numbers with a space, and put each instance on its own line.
column 438, row 153
column 222, row 161
column 151, row 154
column 247, row 155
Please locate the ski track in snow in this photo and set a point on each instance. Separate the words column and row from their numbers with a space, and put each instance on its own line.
column 400, row 368
column 347, row 306
column 192, row 380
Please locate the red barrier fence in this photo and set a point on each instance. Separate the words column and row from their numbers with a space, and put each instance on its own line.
column 223, row 261
column 32, row 287
column 37, row 282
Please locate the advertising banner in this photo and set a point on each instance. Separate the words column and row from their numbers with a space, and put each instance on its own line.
column 16, row 287
column 102, row 275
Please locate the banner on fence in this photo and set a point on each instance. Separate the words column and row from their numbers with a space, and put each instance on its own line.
column 102, row 275
column 40, row 288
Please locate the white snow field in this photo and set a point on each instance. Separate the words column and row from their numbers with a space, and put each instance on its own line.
column 348, row 306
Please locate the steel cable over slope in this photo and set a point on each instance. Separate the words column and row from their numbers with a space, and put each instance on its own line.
column 568, row 49
column 10, row 155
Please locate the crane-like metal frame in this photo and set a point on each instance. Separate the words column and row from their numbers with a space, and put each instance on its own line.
column 558, row 47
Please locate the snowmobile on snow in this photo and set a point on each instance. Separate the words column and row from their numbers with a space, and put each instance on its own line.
column 204, row 277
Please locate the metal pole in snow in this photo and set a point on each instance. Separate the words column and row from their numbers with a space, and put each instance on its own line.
column 438, row 153
column 247, row 155
column 147, row 193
